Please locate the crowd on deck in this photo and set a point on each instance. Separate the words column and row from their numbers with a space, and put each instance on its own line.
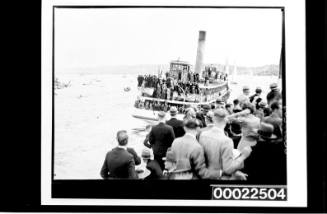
column 239, row 140
column 178, row 88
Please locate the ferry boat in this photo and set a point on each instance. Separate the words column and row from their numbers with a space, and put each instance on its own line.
column 180, row 86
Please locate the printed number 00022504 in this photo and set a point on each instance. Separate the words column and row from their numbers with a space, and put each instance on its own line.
column 249, row 193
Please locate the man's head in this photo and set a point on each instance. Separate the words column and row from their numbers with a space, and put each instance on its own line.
column 161, row 115
column 273, row 86
column 173, row 111
column 258, row 90
column 236, row 102
column 191, row 126
column 190, row 113
column 229, row 108
column 206, row 108
column 220, row 103
column 276, row 108
column 146, row 155
column 122, row 137
column 246, row 90
column 262, row 105
column 219, row 117
column 249, row 106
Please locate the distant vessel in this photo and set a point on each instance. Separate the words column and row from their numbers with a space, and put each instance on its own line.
column 180, row 86
column 127, row 89
column 232, row 80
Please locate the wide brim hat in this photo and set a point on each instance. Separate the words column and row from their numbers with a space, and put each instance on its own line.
column 161, row 114
column 266, row 131
column 173, row 110
column 262, row 104
column 273, row 85
column 146, row 154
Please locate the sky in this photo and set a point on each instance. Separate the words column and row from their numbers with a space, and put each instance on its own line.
column 134, row 36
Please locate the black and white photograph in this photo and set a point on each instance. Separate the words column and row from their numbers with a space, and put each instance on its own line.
column 168, row 96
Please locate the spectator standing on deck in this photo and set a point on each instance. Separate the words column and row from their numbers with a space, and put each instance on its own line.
column 237, row 107
column 119, row 163
column 244, row 97
column 190, row 152
column 175, row 123
column 275, row 118
column 255, row 99
column 274, row 94
column 218, row 148
column 259, row 112
column 249, row 126
column 151, row 165
column 267, row 162
column 161, row 137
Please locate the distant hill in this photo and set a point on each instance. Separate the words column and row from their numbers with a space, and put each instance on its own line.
column 266, row 70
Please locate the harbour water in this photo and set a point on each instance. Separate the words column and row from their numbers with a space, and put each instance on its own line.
column 94, row 107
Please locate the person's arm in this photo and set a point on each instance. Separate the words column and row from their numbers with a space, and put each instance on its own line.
column 171, row 136
column 137, row 159
column 131, row 169
column 146, row 142
column 104, row 170
column 229, row 164
column 198, row 162
column 151, row 138
column 238, row 114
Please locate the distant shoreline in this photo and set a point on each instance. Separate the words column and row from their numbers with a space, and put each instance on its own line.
column 266, row 70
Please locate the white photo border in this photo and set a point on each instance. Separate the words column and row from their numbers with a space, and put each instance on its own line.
column 295, row 109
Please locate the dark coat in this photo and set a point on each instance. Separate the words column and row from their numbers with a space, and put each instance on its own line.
column 273, row 95
column 119, row 163
column 177, row 126
column 277, row 122
column 267, row 163
column 137, row 159
column 155, row 169
column 161, row 138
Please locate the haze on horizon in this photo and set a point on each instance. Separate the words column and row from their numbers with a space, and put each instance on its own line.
column 112, row 37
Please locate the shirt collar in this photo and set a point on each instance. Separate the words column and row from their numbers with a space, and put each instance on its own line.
column 189, row 134
column 218, row 129
column 122, row 147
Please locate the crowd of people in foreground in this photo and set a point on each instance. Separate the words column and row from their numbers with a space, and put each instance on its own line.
column 243, row 140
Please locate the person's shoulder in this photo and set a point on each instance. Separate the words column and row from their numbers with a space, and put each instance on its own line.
column 130, row 149
column 168, row 127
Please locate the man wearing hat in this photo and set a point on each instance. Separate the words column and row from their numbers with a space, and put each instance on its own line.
column 190, row 152
column 244, row 97
column 259, row 110
column 218, row 148
column 274, row 94
column 267, row 162
column 275, row 118
column 255, row 99
column 151, row 165
column 220, row 103
column 160, row 138
column 175, row 123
